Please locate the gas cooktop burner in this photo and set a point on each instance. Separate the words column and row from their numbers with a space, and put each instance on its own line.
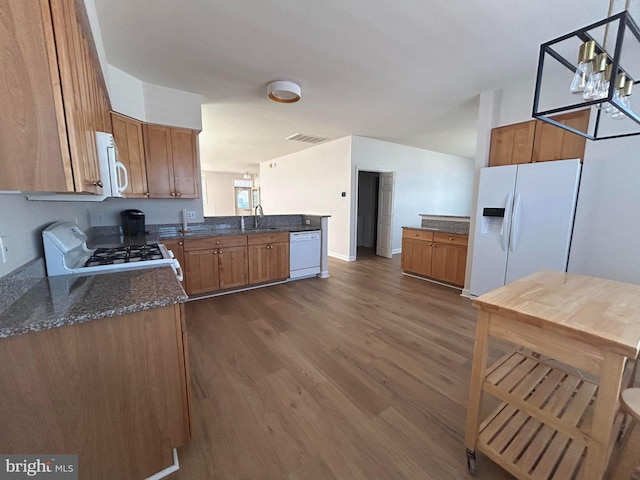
column 111, row 256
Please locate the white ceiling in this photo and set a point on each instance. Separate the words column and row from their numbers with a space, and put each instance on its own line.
column 405, row 71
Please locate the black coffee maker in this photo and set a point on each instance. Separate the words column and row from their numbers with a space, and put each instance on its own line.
column 133, row 223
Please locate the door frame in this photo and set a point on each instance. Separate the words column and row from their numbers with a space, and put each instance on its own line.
column 353, row 237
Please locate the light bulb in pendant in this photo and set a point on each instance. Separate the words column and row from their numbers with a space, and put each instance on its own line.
column 624, row 94
column 585, row 67
column 593, row 89
column 621, row 80
column 604, row 88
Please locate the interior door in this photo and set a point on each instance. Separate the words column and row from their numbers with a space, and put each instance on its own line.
column 385, row 214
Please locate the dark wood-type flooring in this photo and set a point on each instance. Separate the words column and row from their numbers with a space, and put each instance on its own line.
column 363, row 375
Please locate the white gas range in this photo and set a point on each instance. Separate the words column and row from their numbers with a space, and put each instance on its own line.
column 66, row 252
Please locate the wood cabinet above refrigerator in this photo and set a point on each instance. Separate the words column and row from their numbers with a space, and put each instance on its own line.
column 537, row 141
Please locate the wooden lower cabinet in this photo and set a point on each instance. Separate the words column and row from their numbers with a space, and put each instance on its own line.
column 268, row 257
column 215, row 263
column 115, row 391
column 436, row 255
column 449, row 263
column 417, row 249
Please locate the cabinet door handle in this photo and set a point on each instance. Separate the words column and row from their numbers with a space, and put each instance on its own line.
column 217, row 242
column 451, row 238
column 179, row 243
column 178, row 194
column 146, row 194
column 173, row 194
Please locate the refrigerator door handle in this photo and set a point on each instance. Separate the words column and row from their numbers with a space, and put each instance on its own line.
column 506, row 225
column 515, row 223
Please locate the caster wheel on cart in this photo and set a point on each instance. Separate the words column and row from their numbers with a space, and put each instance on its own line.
column 471, row 462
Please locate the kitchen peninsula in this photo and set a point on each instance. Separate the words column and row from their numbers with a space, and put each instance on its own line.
column 230, row 253
column 97, row 366
column 436, row 249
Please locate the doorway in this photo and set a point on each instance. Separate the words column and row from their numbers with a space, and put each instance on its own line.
column 374, row 213
column 367, row 232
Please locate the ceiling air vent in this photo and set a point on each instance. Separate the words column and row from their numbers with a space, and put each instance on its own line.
column 299, row 137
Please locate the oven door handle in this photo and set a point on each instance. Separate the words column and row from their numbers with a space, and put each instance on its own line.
column 178, row 269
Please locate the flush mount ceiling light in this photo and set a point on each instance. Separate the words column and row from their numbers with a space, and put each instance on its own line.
column 602, row 80
column 283, row 91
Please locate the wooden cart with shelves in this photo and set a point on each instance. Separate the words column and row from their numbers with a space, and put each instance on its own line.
column 558, row 411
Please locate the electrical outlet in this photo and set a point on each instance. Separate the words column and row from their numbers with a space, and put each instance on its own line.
column 308, row 222
column 191, row 215
column 97, row 219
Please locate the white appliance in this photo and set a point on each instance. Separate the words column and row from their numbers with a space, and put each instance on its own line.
column 524, row 221
column 66, row 252
column 304, row 254
column 113, row 175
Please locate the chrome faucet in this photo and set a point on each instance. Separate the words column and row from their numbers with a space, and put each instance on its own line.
column 258, row 216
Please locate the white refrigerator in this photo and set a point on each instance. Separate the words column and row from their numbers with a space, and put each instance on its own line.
column 524, row 221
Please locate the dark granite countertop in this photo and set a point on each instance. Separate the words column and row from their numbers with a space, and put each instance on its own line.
column 171, row 232
column 446, row 227
column 69, row 299
column 217, row 232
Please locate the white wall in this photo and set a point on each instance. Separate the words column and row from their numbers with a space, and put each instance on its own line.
column 311, row 181
column 153, row 103
column 220, row 193
column 168, row 106
column 606, row 238
column 126, row 93
column 22, row 222
column 426, row 182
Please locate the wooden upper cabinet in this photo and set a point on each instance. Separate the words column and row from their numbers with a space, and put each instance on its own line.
column 53, row 100
column 185, row 162
column 82, row 94
column 512, row 144
column 172, row 161
column 127, row 133
column 157, row 144
column 34, row 153
column 555, row 143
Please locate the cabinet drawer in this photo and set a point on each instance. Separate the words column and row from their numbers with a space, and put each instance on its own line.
column 214, row 242
column 261, row 238
column 450, row 238
column 417, row 234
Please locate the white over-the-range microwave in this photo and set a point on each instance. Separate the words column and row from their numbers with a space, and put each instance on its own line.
column 113, row 175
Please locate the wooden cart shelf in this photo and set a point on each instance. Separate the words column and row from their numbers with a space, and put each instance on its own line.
column 542, row 427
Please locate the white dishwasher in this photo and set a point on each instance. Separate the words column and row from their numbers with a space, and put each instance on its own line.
column 304, row 254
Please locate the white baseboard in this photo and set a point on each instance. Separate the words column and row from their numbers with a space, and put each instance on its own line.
column 339, row 256
column 396, row 251
column 466, row 293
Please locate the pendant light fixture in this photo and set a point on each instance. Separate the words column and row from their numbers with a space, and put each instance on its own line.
column 601, row 79
column 283, row 91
